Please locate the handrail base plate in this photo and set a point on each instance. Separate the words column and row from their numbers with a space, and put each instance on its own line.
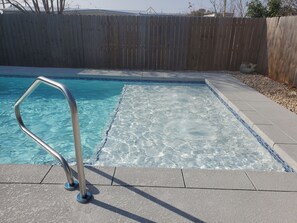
column 70, row 187
column 84, row 200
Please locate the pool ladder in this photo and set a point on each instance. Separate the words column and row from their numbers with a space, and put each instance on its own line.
column 83, row 196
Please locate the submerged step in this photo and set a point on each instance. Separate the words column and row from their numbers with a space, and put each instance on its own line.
column 180, row 126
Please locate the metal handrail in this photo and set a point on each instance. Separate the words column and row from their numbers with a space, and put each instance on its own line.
column 84, row 196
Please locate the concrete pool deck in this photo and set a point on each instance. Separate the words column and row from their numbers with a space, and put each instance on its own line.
column 35, row 193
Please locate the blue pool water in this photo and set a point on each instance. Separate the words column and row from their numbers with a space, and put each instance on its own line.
column 131, row 124
column 46, row 113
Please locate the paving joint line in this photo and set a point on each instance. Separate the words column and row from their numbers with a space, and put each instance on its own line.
column 182, row 173
column 20, row 183
column 112, row 179
column 251, row 180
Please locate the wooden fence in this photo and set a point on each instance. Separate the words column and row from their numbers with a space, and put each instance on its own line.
column 278, row 52
column 151, row 43
column 129, row 42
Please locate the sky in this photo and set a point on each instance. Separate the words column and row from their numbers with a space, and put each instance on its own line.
column 165, row 6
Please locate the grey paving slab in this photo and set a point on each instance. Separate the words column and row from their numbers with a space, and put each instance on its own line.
column 37, row 71
column 162, row 177
column 290, row 129
column 222, row 86
column 94, row 175
column 226, row 95
column 112, row 77
column 223, row 179
column 229, row 80
column 288, row 152
column 94, row 72
column 51, row 203
column 231, row 85
column 275, row 112
column 164, row 74
column 275, row 181
column 107, row 74
column 12, row 173
column 284, row 118
column 252, row 95
column 290, row 149
column 225, row 80
column 270, row 108
column 254, row 118
column 273, row 135
column 289, row 125
column 240, row 106
column 177, row 75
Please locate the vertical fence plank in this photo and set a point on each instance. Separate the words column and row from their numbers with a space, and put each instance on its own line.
column 155, row 42
column 190, row 45
column 181, row 42
column 161, row 28
column 272, row 39
column 205, row 43
column 197, row 37
column 136, row 43
column 211, row 38
column 232, row 43
column 239, row 44
column 20, row 44
column 220, row 27
column 225, row 44
column 246, row 36
column 141, row 42
column 3, row 55
column 185, row 40
column 157, row 45
column 173, row 47
column 10, row 39
column 250, row 42
column 128, row 39
column 170, row 43
column 166, row 41
column 291, row 50
column 177, row 43
column 78, row 39
column 262, row 50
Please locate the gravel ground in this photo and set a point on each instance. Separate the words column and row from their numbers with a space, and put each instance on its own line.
column 276, row 91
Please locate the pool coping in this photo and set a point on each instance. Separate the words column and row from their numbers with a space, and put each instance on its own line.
column 275, row 124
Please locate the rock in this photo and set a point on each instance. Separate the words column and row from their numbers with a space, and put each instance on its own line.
column 247, row 68
column 292, row 94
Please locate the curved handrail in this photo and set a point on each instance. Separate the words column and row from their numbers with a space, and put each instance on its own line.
column 84, row 195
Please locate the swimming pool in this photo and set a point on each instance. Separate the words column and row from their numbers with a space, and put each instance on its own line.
column 131, row 124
